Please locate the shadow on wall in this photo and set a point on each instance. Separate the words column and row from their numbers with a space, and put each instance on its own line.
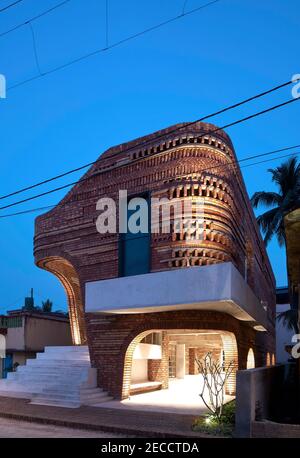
column 266, row 393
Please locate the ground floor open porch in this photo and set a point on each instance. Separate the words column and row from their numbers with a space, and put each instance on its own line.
column 181, row 397
column 136, row 354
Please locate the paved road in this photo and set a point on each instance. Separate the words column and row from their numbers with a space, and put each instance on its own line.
column 20, row 429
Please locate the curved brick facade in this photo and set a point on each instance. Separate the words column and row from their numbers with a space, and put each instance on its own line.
column 190, row 163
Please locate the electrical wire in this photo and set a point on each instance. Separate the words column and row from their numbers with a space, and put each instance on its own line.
column 34, row 18
column 35, row 49
column 146, row 142
column 106, row 48
column 9, row 6
column 239, row 121
column 48, row 207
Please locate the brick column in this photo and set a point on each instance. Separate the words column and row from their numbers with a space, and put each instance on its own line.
column 158, row 369
column 192, row 362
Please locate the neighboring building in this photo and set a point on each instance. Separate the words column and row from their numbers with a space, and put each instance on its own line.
column 148, row 304
column 292, row 230
column 283, row 334
column 27, row 333
column 275, row 390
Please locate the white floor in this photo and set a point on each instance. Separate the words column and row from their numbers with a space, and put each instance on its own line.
column 182, row 396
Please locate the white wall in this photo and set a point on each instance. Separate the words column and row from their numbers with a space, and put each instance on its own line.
column 180, row 360
column 147, row 351
column 142, row 353
column 139, row 372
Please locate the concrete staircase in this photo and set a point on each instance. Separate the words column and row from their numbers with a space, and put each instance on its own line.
column 61, row 376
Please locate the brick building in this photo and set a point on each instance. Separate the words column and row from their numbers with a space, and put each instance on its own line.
column 171, row 295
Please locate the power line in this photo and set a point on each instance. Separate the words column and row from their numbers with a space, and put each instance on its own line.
column 48, row 180
column 100, row 50
column 106, row 23
column 239, row 121
column 268, row 160
column 9, row 6
column 28, row 211
column 269, row 153
column 146, row 142
column 32, row 210
column 35, row 48
column 184, row 6
column 34, row 18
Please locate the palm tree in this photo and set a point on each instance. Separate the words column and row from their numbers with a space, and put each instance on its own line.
column 47, row 306
column 289, row 319
column 287, row 178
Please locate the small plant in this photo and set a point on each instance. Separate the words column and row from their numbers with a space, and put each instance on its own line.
column 217, row 427
column 228, row 414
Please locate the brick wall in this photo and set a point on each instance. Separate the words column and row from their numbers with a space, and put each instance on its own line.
column 158, row 369
column 113, row 338
column 190, row 164
column 192, row 361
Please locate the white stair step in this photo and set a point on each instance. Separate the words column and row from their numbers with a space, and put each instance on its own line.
column 95, row 402
column 38, row 362
column 61, row 376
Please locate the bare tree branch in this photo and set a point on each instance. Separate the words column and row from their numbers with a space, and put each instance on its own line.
column 215, row 377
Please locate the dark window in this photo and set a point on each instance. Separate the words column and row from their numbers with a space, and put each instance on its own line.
column 134, row 249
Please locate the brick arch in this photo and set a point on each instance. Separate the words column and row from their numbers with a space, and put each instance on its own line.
column 64, row 270
column 135, row 337
column 231, row 356
column 128, row 360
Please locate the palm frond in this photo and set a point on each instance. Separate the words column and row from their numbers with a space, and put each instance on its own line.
column 287, row 178
column 286, row 175
column 265, row 198
column 265, row 220
column 289, row 319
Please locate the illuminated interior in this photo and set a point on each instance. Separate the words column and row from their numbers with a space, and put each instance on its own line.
column 160, row 360
column 250, row 359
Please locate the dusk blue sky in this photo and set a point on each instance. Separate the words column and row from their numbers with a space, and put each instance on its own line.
column 191, row 67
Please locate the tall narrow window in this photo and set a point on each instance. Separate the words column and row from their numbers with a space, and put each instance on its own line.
column 134, row 248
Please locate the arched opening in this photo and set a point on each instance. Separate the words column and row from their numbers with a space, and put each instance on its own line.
column 158, row 360
column 268, row 362
column 250, row 359
column 68, row 277
column 273, row 359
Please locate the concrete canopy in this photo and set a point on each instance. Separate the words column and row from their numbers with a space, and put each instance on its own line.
column 217, row 287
